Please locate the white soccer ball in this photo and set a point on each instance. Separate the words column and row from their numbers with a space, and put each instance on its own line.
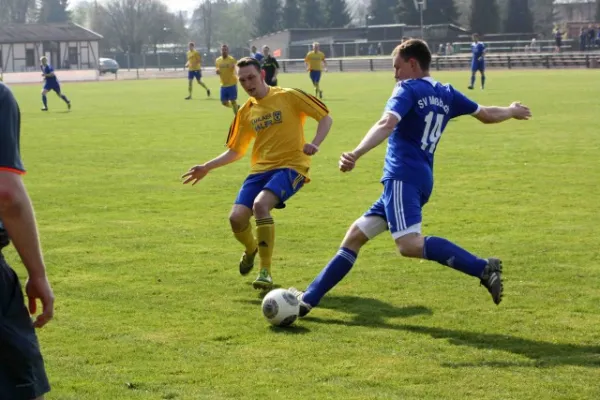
column 280, row 307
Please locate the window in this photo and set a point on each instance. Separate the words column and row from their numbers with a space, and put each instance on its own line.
column 73, row 56
column 30, row 57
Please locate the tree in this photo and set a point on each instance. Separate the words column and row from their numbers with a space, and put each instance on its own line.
column 518, row 17
column 436, row 12
column 382, row 11
column 335, row 13
column 485, row 17
column 359, row 9
column 16, row 11
column 136, row 23
column 52, row 11
column 221, row 21
column 268, row 20
column 290, row 15
column 311, row 14
column 165, row 27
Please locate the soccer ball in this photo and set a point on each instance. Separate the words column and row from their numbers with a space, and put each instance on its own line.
column 280, row 307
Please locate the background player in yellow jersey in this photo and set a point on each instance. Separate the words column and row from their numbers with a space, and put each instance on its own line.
column 226, row 70
column 274, row 117
column 315, row 63
column 194, row 66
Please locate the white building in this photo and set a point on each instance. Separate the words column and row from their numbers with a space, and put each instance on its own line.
column 574, row 10
column 67, row 46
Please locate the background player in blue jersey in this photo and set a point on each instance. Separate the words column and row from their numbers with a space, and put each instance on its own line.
column 254, row 53
column 478, row 61
column 50, row 83
column 414, row 119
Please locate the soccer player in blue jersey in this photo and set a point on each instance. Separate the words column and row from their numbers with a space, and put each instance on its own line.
column 478, row 61
column 50, row 83
column 413, row 122
column 254, row 53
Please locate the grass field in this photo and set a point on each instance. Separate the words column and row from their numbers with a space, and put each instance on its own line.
column 150, row 304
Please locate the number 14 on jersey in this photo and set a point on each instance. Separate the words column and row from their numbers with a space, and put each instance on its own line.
column 431, row 136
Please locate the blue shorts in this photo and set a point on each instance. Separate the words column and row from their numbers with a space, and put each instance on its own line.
column 49, row 86
column 400, row 205
column 315, row 76
column 477, row 66
column 228, row 93
column 194, row 75
column 284, row 183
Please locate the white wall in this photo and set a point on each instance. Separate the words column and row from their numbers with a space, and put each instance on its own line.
column 86, row 58
column 83, row 59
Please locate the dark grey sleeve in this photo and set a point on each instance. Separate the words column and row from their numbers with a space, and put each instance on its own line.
column 10, row 132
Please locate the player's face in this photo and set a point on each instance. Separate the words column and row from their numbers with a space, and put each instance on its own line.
column 406, row 69
column 191, row 46
column 475, row 38
column 251, row 81
column 224, row 51
column 315, row 47
column 44, row 62
column 266, row 51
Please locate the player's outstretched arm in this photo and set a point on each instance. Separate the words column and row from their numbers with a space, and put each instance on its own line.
column 197, row 172
column 18, row 218
column 493, row 115
column 377, row 134
column 322, row 131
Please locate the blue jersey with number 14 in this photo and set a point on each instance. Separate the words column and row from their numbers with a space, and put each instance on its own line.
column 423, row 107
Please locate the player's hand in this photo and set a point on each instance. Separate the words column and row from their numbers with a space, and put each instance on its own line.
column 310, row 149
column 195, row 174
column 347, row 162
column 520, row 111
column 39, row 288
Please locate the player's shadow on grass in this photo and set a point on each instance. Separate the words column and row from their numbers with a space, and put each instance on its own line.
column 366, row 311
column 374, row 314
column 541, row 354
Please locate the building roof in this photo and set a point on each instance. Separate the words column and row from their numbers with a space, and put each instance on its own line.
column 22, row 33
column 574, row 1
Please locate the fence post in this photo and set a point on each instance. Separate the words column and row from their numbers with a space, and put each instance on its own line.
column 437, row 63
column 587, row 60
column 341, row 66
column 547, row 61
column 371, row 64
column 509, row 64
column 283, row 63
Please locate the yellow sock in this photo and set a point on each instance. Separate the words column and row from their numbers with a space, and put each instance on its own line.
column 190, row 88
column 235, row 107
column 265, row 235
column 246, row 237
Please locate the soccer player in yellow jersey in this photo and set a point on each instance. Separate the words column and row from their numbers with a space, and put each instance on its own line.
column 194, row 66
column 273, row 117
column 226, row 70
column 315, row 63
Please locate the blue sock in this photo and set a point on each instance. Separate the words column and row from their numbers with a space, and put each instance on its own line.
column 449, row 254
column 482, row 81
column 62, row 96
column 334, row 272
column 45, row 101
column 472, row 79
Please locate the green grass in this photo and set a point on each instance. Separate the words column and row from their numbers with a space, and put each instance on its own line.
column 150, row 305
